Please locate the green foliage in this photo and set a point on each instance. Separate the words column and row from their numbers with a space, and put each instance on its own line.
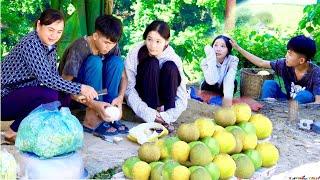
column 106, row 174
column 18, row 18
column 192, row 23
column 266, row 44
column 310, row 24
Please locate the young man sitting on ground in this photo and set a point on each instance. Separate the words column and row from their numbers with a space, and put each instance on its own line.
column 95, row 60
column 301, row 77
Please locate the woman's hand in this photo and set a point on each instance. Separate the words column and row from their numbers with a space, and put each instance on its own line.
column 210, row 52
column 88, row 92
column 117, row 101
column 159, row 119
column 234, row 44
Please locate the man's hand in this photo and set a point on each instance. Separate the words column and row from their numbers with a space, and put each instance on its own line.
column 99, row 108
column 117, row 101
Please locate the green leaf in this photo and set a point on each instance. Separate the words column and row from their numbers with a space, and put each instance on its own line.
column 309, row 29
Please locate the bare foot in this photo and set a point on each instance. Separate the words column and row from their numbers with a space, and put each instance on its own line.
column 92, row 120
column 10, row 135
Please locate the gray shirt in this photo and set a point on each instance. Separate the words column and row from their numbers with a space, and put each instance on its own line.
column 76, row 53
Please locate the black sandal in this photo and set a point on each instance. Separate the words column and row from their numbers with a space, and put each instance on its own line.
column 121, row 128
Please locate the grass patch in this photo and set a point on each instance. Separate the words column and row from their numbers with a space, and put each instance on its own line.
column 107, row 174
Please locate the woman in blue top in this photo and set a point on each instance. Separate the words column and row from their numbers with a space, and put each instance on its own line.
column 29, row 73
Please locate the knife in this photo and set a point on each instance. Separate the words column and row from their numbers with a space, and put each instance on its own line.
column 100, row 93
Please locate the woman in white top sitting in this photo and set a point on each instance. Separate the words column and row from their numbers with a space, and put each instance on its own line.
column 156, row 84
column 219, row 69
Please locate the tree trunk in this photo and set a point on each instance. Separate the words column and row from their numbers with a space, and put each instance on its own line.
column 230, row 16
column 108, row 7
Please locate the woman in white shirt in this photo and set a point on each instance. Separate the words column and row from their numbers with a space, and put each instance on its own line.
column 219, row 69
column 156, row 84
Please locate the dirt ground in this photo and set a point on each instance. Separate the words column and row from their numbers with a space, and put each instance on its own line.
column 297, row 147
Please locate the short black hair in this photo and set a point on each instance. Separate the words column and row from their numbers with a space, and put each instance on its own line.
column 109, row 26
column 226, row 40
column 303, row 45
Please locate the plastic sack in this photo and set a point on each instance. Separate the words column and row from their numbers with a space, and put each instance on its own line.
column 48, row 131
column 67, row 166
column 147, row 132
column 8, row 166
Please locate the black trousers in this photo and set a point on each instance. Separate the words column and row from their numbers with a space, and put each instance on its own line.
column 216, row 88
column 157, row 86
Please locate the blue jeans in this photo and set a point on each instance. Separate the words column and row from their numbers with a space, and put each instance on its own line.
column 102, row 74
column 271, row 89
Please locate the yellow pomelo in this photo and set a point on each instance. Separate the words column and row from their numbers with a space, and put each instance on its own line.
column 156, row 163
column 200, row 155
column 128, row 165
column 200, row 174
column 149, row 152
column 180, row 151
column 247, row 127
column 226, row 141
column 269, row 154
column 156, row 171
column 262, row 124
column 166, row 146
column 217, row 129
column 255, row 157
column 205, row 126
column 141, row 171
column 226, row 165
column 225, row 116
column 174, row 171
column 245, row 167
column 213, row 170
column 243, row 112
column 250, row 141
column 212, row 144
column 180, row 173
column 188, row 132
column 238, row 134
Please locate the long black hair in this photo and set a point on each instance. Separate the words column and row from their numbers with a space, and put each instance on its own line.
column 159, row 26
column 226, row 40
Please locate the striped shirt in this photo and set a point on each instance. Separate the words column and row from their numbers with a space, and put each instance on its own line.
column 135, row 102
column 31, row 63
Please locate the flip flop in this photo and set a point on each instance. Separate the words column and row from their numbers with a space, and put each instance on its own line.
column 8, row 141
column 102, row 129
column 119, row 126
column 193, row 94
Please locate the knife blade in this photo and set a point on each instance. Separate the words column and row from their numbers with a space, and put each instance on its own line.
column 102, row 92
